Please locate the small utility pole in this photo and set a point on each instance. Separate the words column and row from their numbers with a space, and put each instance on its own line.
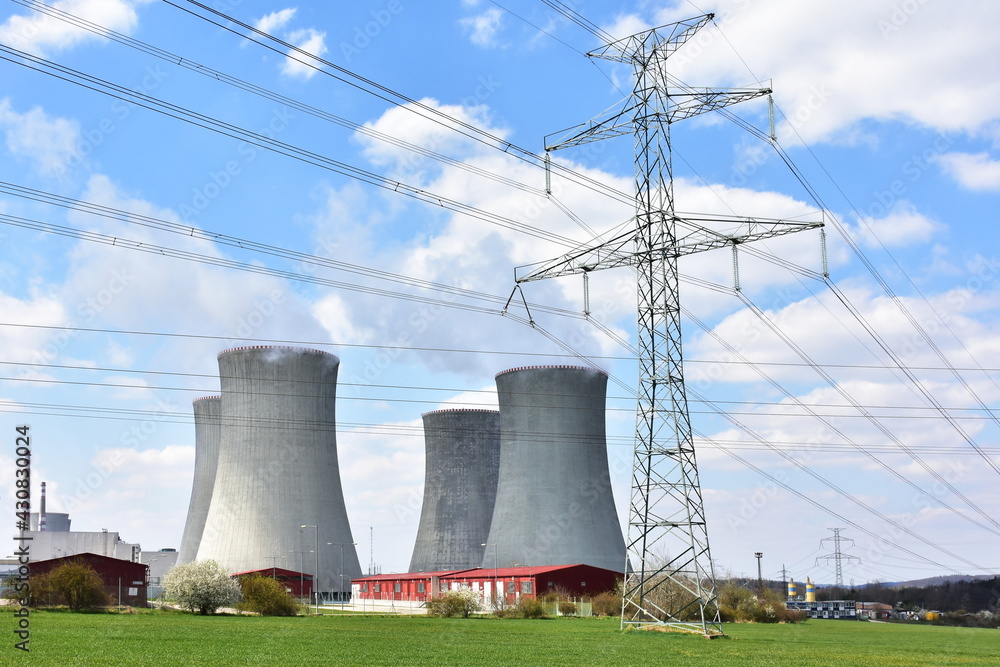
column 760, row 578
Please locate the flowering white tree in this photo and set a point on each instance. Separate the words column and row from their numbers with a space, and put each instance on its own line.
column 201, row 586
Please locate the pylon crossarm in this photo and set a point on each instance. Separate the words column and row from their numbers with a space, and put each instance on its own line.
column 624, row 50
column 616, row 251
column 702, row 239
column 699, row 102
column 614, row 122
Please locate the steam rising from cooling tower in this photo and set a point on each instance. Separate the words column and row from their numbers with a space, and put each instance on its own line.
column 278, row 467
column 554, row 504
column 207, row 432
column 460, row 485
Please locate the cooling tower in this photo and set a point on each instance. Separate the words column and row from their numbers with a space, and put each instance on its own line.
column 207, row 432
column 460, row 485
column 278, row 468
column 554, row 504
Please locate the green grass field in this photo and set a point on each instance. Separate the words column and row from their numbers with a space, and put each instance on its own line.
column 161, row 638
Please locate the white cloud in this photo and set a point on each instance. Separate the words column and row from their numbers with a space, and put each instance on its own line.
column 40, row 34
column 903, row 225
column 275, row 20
column 309, row 40
column 47, row 141
column 148, row 488
column 833, row 65
column 483, row 28
column 975, row 171
column 23, row 344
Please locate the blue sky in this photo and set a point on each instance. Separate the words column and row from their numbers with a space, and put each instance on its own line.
column 885, row 107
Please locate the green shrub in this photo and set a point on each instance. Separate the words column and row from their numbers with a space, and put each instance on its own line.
column 567, row 608
column 607, row 603
column 76, row 585
column 267, row 597
column 462, row 603
column 530, row 608
column 741, row 605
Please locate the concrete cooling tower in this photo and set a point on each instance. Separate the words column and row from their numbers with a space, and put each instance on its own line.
column 207, row 432
column 554, row 504
column 460, row 485
column 278, row 468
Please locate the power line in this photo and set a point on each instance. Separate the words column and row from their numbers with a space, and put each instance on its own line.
column 395, row 98
column 96, row 84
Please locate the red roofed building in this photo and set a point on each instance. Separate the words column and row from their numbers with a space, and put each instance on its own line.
column 124, row 581
column 511, row 582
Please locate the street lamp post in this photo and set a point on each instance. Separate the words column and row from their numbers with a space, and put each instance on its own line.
column 495, row 559
column 760, row 579
column 342, row 545
column 302, row 564
column 316, row 577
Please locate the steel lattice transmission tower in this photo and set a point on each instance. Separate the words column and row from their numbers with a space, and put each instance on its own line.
column 837, row 556
column 666, row 513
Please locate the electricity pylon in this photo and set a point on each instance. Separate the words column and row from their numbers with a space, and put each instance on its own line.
column 666, row 513
column 837, row 556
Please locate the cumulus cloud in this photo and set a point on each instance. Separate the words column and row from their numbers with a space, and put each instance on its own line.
column 903, row 225
column 275, row 20
column 48, row 142
column 975, row 171
column 41, row 34
column 309, row 40
column 483, row 28
column 835, row 65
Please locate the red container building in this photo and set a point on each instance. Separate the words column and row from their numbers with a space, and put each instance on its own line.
column 510, row 582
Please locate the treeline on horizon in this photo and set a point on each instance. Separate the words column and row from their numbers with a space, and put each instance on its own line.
column 969, row 596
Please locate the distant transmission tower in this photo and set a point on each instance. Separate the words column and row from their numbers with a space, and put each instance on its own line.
column 666, row 513
column 837, row 556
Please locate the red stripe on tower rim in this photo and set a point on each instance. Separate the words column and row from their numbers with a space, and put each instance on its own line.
column 277, row 347
column 553, row 366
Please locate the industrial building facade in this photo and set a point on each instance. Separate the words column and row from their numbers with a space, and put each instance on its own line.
column 510, row 582
column 839, row 609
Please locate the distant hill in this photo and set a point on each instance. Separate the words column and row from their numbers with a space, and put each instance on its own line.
column 919, row 583
column 945, row 579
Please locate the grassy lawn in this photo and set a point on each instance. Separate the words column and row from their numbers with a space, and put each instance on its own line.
column 161, row 638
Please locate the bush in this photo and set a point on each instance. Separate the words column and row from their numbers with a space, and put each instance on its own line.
column 567, row 608
column 607, row 603
column 76, row 585
column 740, row 605
column 267, row 597
column 455, row 603
column 201, row 586
column 530, row 608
